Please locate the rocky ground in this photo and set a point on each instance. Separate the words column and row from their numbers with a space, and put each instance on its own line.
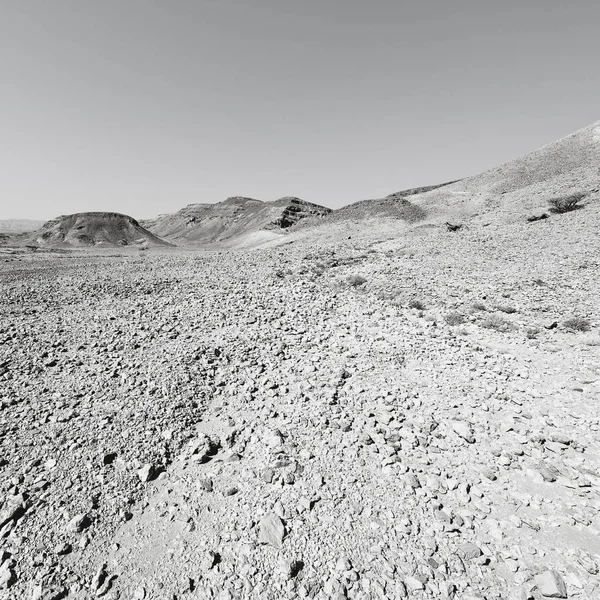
column 405, row 413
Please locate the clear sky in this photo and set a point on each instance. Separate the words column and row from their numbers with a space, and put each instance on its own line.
column 144, row 106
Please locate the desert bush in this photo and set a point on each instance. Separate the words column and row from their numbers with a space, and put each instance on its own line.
column 532, row 333
column 497, row 323
column 414, row 303
column 509, row 310
column 479, row 306
column 577, row 324
column 454, row 318
column 355, row 280
column 564, row 204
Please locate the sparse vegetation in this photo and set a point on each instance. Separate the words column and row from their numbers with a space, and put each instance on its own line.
column 414, row 303
column 532, row 332
column 496, row 323
column 355, row 280
column 454, row 318
column 577, row 324
column 479, row 306
column 509, row 310
column 564, row 204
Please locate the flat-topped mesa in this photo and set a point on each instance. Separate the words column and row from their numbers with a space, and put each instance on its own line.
column 104, row 229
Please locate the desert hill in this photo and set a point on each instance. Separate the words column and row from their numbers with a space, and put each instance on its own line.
column 92, row 229
column 525, row 184
column 16, row 226
column 394, row 205
column 205, row 224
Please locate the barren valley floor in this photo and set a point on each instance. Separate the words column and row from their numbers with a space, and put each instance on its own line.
column 405, row 413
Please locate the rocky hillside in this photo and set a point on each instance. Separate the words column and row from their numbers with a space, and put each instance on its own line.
column 104, row 229
column 16, row 226
column 524, row 185
column 510, row 192
column 213, row 224
column 395, row 206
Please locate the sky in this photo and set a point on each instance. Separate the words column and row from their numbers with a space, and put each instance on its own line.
column 145, row 106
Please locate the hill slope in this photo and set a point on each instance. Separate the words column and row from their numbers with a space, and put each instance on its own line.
column 205, row 224
column 396, row 206
column 93, row 229
column 526, row 183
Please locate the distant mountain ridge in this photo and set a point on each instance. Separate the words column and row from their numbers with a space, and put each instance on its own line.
column 508, row 191
column 16, row 226
column 206, row 224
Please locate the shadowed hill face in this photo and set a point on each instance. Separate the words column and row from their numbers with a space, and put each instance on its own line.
column 207, row 224
column 94, row 229
column 395, row 206
column 391, row 206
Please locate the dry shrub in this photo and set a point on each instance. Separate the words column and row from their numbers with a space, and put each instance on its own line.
column 564, row 204
column 479, row 306
column 356, row 280
column 416, row 304
column 509, row 310
column 577, row 324
column 497, row 323
column 454, row 318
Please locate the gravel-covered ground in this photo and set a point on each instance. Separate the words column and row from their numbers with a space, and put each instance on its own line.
column 405, row 413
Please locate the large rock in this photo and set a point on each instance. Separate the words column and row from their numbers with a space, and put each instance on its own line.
column 271, row 530
column 551, row 585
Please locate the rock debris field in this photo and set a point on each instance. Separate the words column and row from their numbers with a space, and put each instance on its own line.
column 408, row 413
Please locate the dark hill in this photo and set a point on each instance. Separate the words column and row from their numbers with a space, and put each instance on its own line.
column 105, row 229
